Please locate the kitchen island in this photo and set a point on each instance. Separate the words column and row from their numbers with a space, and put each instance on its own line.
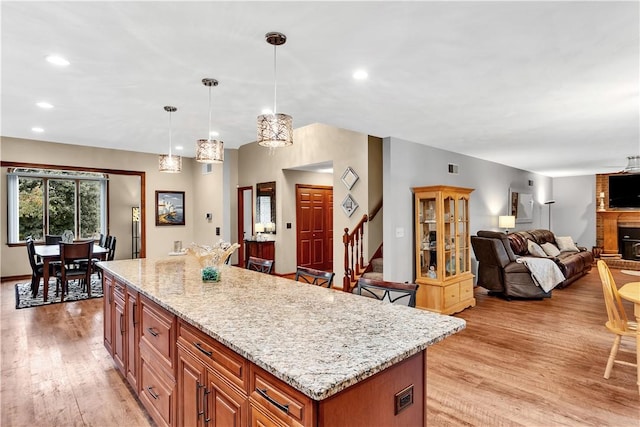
column 257, row 349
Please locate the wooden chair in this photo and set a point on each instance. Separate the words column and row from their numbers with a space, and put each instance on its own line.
column 259, row 264
column 52, row 239
column 618, row 322
column 394, row 292
column 71, row 268
column 314, row 277
column 37, row 268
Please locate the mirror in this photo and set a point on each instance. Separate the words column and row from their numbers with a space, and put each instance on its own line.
column 521, row 206
column 266, row 207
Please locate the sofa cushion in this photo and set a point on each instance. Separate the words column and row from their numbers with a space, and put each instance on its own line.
column 535, row 249
column 550, row 249
column 565, row 244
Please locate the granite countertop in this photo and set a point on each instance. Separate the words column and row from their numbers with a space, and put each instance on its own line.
column 320, row 341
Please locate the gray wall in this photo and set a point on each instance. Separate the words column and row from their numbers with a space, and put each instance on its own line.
column 574, row 212
column 407, row 164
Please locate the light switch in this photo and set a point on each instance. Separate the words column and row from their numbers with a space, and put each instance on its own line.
column 399, row 232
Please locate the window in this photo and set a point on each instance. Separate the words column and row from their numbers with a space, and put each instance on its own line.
column 45, row 201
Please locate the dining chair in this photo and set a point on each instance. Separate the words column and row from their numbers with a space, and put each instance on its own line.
column 259, row 264
column 393, row 292
column 617, row 322
column 72, row 269
column 314, row 277
column 52, row 239
column 37, row 268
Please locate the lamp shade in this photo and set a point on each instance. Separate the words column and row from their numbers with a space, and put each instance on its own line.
column 506, row 221
column 169, row 163
column 209, row 151
column 275, row 130
column 259, row 227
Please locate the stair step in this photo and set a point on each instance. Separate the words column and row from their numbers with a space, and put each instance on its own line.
column 376, row 264
column 375, row 275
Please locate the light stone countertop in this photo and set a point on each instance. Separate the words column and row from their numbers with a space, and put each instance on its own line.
column 320, row 341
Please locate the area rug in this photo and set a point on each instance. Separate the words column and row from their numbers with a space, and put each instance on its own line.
column 24, row 298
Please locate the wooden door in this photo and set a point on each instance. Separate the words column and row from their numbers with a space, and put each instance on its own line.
column 314, row 223
column 245, row 220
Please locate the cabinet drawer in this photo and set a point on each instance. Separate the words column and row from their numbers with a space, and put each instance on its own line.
column 231, row 366
column 118, row 289
column 451, row 294
column 158, row 331
column 466, row 290
column 279, row 399
column 258, row 418
column 156, row 393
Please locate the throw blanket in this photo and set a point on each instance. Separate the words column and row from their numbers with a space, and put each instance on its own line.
column 544, row 272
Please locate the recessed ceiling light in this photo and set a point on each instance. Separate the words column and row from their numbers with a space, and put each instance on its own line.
column 37, row 129
column 179, row 147
column 360, row 75
column 267, row 111
column 57, row 60
column 45, row 105
column 214, row 133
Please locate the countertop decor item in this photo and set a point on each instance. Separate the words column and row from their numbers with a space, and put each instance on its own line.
column 212, row 258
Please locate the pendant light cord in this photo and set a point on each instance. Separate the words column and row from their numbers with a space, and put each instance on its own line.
column 275, row 80
column 209, row 135
column 170, row 144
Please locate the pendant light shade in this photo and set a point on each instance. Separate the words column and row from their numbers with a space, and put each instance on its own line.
column 168, row 162
column 275, row 129
column 633, row 164
column 209, row 150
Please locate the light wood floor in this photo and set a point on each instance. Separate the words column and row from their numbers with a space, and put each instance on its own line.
column 528, row 363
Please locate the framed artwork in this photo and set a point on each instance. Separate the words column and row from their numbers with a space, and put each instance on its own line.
column 349, row 178
column 521, row 206
column 169, row 207
column 349, row 205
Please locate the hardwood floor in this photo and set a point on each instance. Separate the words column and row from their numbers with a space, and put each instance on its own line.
column 529, row 363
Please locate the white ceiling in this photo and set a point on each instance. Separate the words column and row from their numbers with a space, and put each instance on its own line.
column 550, row 87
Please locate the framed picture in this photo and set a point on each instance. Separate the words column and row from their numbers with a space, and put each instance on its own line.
column 349, row 205
column 349, row 178
column 169, row 207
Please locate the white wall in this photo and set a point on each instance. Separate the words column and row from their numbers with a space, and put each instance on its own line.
column 407, row 164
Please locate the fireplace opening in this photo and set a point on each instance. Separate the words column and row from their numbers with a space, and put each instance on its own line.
column 629, row 243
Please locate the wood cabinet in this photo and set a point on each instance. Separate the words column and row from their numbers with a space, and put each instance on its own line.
column 442, row 249
column 212, row 382
column 261, row 249
column 121, row 331
column 157, row 362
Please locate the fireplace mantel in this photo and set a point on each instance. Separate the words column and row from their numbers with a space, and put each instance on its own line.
column 611, row 220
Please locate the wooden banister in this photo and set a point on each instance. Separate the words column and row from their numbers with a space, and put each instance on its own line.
column 375, row 210
column 353, row 258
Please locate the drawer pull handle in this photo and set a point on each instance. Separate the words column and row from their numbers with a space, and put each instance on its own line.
column 153, row 332
column 155, row 396
column 199, row 347
column 133, row 312
column 263, row 392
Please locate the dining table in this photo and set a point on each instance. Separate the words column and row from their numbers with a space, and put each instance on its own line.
column 631, row 292
column 51, row 253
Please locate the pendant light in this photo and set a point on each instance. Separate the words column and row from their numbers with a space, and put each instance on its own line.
column 168, row 162
column 275, row 129
column 208, row 150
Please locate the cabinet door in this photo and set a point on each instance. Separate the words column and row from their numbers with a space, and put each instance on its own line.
column 191, row 384
column 119, row 336
column 225, row 406
column 426, row 236
column 133, row 336
column 107, row 290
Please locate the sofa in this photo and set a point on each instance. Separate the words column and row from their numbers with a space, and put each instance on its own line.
column 500, row 272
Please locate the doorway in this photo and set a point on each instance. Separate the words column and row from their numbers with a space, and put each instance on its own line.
column 314, row 226
column 245, row 220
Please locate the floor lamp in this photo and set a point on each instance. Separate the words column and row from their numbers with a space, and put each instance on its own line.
column 549, row 203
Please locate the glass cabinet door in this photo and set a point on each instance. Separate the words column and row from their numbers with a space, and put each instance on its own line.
column 427, row 216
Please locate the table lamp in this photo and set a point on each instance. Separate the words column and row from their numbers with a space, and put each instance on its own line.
column 506, row 222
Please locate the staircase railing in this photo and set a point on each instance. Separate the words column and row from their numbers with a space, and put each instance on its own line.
column 353, row 253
